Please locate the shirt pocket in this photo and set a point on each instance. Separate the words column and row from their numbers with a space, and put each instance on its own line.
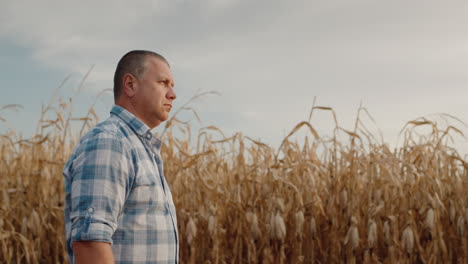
column 147, row 195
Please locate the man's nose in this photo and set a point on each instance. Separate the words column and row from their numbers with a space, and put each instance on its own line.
column 171, row 95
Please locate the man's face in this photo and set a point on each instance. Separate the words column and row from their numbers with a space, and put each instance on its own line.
column 154, row 93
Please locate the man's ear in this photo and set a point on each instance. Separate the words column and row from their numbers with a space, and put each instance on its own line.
column 129, row 85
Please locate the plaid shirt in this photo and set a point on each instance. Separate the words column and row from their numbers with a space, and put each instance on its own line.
column 116, row 192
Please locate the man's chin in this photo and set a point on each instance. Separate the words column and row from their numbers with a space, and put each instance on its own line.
column 164, row 119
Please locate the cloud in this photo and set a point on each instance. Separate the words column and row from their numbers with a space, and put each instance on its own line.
column 267, row 58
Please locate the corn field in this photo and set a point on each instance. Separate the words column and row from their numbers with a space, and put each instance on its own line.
column 238, row 200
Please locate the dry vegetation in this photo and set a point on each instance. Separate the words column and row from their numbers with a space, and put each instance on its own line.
column 240, row 201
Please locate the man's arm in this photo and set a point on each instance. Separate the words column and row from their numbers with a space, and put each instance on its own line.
column 90, row 252
column 99, row 183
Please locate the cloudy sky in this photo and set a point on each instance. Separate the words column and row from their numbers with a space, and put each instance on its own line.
column 267, row 59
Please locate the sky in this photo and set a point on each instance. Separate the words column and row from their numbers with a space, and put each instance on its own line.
column 267, row 60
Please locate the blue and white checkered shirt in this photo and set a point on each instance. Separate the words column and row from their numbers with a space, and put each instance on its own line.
column 116, row 192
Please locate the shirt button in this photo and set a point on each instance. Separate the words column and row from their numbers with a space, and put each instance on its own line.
column 90, row 210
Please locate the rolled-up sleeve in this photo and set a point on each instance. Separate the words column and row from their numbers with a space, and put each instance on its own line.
column 101, row 176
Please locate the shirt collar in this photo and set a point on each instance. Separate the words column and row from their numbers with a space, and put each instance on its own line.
column 140, row 128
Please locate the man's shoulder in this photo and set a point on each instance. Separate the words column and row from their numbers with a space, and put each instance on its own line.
column 109, row 134
column 112, row 127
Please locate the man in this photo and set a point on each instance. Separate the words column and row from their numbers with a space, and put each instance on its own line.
column 118, row 206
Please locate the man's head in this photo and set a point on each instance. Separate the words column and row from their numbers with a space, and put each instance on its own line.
column 143, row 84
